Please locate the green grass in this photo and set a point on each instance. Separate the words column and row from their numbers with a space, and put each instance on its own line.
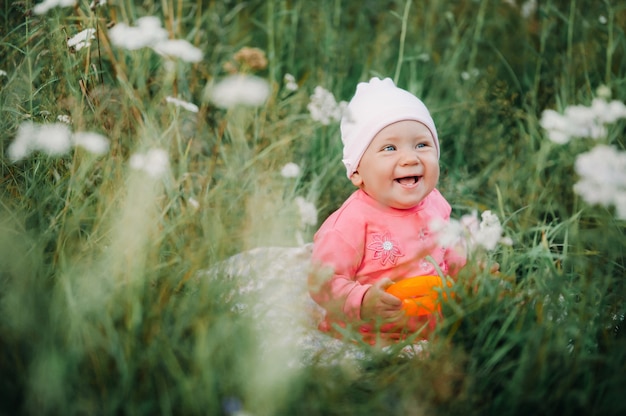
column 102, row 310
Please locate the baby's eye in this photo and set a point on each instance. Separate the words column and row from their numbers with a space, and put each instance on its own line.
column 389, row 148
column 420, row 145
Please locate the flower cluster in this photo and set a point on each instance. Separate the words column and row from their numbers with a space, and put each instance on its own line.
column 148, row 33
column 603, row 178
column 579, row 121
column 184, row 104
column 54, row 139
column 467, row 75
column 602, row 170
column 239, row 89
column 290, row 82
column 178, row 48
column 290, row 170
column 155, row 162
column 46, row 5
column 64, row 118
column 324, row 108
column 472, row 233
column 81, row 39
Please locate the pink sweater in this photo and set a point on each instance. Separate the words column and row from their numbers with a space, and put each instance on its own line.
column 363, row 242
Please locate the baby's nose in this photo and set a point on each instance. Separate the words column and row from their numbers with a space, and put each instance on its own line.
column 409, row 158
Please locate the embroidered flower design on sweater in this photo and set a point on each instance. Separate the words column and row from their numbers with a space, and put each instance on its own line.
column 385, row 248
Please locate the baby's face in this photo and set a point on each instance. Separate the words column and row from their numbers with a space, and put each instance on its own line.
column 400, row 167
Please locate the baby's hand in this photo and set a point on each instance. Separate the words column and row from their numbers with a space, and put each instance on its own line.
column 378, row 304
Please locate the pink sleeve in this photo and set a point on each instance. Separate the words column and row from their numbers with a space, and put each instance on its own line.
column 340, row 294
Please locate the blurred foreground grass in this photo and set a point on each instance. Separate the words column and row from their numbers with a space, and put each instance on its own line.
column 102, row 311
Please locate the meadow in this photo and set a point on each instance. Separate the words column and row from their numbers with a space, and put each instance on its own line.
column 145, row 142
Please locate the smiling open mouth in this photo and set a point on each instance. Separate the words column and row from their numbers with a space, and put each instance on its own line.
column 408, row 180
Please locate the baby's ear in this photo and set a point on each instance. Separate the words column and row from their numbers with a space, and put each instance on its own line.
column 356, row 179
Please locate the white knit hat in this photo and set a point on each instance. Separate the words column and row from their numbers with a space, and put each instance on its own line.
column 375, row 105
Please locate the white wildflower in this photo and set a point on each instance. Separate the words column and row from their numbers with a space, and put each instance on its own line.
column 324, row 108
column 95, row 3
column 240, row 89
column 467, row 75
column 155, row 162
column 308, row 212
column 46, row 5
column 193, row 203
column 64, row 118
column 54, row 139
column 490, row 232
column 92, row 142
column 608, row 112
column 602, row 19
column 528, row 8
column 81, row 39
column 557, row 126
column 290, row 170
column 448, row 233
column 471, row 232
column 148, row 32
column 22, row 145
column 586, row 121
column 179, row 48
column 3, row 73
column 290, row 82
column 552, row 120
column 602, row 173
column 582, row 121
column 184, row 104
